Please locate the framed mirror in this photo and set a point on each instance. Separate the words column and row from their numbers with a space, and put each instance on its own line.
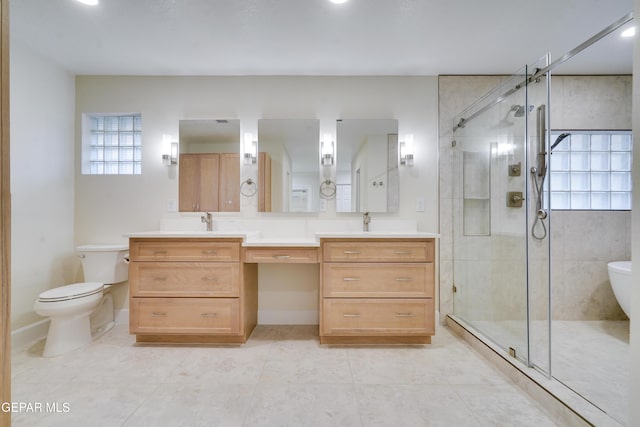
column 367, row 166
column 288, row 165
column 209, row 166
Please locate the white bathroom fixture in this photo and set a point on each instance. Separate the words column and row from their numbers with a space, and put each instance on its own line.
column 83, row 311
column 250, row 149
column 327, row 150
column 169, row 151
column 620, row 278
column 406, row 150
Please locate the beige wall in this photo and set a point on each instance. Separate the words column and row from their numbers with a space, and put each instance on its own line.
column 584, row 242
column 106, row 207
column 42, row 174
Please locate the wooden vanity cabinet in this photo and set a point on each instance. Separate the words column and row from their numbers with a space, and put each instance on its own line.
column 209, row 182
column 377, row 291
column 191, row 291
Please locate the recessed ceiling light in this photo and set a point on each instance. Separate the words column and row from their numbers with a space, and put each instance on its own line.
column 338, row 1
column 629, row 32
column 89, row 2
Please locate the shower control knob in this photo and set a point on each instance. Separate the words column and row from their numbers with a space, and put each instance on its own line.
column 542, row 214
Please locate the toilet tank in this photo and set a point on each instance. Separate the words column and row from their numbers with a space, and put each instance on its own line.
column 104, row 263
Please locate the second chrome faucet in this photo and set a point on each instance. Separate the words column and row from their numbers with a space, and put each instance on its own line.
column 208, row 219
column 366, row 219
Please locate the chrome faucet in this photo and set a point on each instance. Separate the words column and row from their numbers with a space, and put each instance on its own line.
column 366, row 219
column 208, row 219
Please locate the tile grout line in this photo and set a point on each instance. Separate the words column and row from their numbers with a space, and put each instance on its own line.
column 355, row 386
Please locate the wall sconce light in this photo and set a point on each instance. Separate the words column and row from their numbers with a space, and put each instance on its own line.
column 169, row 151
column 502, row 149
column 406, row 150
column 326, row 150
column 250, row 149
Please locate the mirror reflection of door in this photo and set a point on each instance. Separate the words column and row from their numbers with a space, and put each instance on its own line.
column 367, row 165
column 292, row 148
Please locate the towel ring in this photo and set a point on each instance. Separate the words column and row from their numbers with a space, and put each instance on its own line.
column 248, row 188
column 328, row 189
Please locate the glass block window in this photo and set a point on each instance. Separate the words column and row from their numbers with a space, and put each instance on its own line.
column 113, row 144
column 591, row 170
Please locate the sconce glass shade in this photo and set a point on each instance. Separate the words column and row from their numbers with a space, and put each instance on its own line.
column 327, row 151
column 174, row 153
column 250, row 149
column 502, row 149
column 169, row 151
column 406, row 151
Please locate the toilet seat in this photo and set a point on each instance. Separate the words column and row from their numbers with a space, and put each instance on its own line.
column 69, row 292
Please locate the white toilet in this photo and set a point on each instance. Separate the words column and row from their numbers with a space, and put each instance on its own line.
column 82, row 311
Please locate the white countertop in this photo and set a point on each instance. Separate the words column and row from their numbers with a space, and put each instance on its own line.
column 256, row 239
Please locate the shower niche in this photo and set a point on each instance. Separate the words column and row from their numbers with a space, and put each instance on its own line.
column 476, row 193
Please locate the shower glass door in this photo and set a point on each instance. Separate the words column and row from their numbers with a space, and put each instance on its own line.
column 492, row 143
column 539, row 219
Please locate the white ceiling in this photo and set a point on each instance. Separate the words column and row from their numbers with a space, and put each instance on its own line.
column 316, row 37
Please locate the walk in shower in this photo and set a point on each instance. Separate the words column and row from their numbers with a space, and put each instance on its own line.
column 527, row 256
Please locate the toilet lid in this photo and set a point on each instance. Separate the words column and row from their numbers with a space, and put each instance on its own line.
column 77, row 290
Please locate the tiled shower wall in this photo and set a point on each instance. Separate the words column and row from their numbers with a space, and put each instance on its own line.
column 582, row 241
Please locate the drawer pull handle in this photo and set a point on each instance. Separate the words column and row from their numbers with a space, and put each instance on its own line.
column 210, row 252
column 351, row 279
column 352, row 252
column 209, row 314
column 160, row 279
column 159, row 253
column 405, row 315
column 403, row 279
column 350, row 315
column 210, row 278
column 158, row 314
column 403, row 252
column 281, row 256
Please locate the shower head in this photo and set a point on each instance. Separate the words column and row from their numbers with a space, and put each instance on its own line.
column 519, row 110
column 559, row 139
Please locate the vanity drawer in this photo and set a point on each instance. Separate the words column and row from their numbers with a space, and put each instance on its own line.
column 378, row 251
column 378, row 317
column 196, row 250
column 378, row 280
column 281, row 255
column 185, row 316
column 184, row 279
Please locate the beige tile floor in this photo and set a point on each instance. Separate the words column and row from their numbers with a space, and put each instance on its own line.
column 281, row 377
column 593, row 358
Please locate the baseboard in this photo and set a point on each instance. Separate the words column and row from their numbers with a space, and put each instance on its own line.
column 24, row 337
column 287, row 317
